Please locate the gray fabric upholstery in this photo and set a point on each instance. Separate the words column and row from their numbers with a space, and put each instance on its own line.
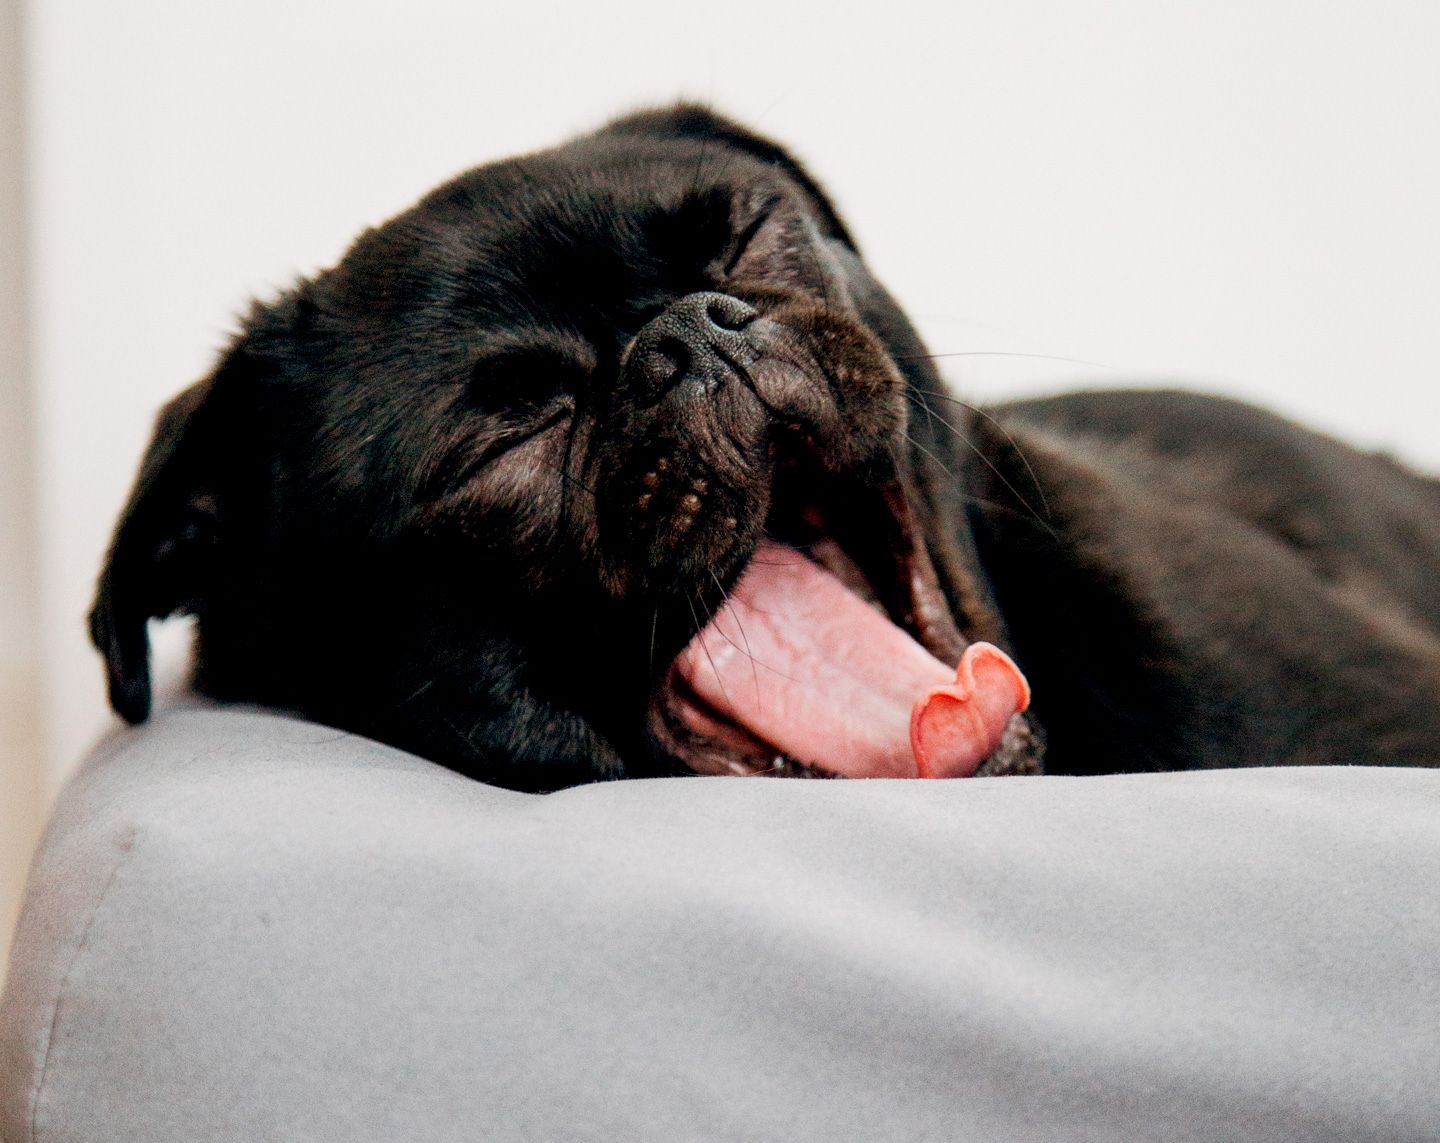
column 241, row 926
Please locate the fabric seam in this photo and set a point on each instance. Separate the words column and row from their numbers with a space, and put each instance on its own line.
column 127, row 845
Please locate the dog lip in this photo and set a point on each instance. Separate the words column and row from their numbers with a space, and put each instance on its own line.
column 680, row 720
column 929, row 617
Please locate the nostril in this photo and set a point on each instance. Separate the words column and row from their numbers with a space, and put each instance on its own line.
column 666, row 361
column 674, row 351
column 668, row 357
column 698, row 337
column 728, row 313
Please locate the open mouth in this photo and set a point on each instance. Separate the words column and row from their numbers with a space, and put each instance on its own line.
column 836, row 653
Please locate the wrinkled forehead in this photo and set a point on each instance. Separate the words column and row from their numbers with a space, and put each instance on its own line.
column 598, row 225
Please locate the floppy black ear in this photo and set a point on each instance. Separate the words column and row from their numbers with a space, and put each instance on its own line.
column 162, row 555
column 695, row 121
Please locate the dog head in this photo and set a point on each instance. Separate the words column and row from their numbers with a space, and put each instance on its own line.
column 476, row 489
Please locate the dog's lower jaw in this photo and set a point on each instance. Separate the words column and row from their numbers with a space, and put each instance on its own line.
column 1021, row 751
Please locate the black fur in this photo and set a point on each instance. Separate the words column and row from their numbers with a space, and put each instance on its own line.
column 437, row 494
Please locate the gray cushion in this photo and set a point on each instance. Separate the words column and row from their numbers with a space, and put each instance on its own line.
column 244, row 926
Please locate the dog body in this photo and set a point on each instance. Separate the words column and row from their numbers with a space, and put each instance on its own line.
column 491, row 488
column 1212, row 585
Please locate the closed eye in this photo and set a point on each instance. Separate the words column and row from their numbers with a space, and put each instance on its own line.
column 523, row 384
column 456, row 460
column 516, row 391
column 747, row 236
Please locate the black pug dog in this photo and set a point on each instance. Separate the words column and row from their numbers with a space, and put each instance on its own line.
column 614, row 460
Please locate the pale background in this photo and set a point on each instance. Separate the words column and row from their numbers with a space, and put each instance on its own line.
column 1236, row 195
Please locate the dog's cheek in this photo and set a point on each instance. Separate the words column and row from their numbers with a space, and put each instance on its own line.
column 544, row 514
column 524, row 484
column 871, row 389
column 856, row 406
column 524, row 512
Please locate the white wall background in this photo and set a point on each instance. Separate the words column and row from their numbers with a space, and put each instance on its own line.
column 1241, row 194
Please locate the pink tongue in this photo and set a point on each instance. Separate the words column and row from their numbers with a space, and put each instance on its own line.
column 807, row 666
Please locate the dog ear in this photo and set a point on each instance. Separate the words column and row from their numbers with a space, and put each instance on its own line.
column 695, row 121
column 162, row 558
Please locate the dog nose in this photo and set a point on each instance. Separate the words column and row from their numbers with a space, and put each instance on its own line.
column 701, row 338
